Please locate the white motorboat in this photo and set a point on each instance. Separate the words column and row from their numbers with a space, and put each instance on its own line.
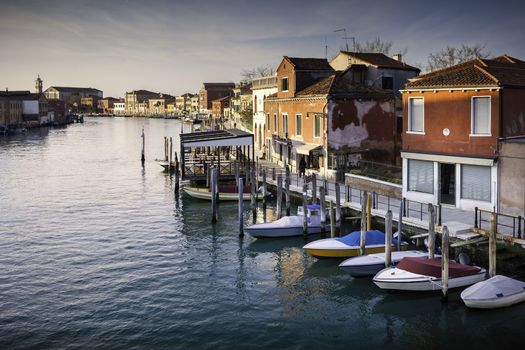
column 417, row 274
column 498, row 291
column 349, row 245
column 369, row 265
column 289, row 226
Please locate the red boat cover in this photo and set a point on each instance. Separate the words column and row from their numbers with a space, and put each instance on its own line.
column 432, row 267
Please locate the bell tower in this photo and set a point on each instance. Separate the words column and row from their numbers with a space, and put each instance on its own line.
column 38, row 85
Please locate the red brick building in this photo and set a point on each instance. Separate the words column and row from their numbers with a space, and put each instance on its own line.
column 213, row 91
column 455, row 121
column 327, row 117
column 219, row 105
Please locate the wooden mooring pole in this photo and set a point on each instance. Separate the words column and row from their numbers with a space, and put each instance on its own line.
column 213, row 196
column 388, row 238
column 492, row 245
column 444, row 264
column 253, row 195
column 264, row 193
column 431, row 231
column 241, row 209
column 338, row 208
column 166, row 148
column 305, row 211
column 322, row 203
column 170, row 166
column 279, row 195
column 143, row 157
column 314, row 189
column 400, row 223
column 287, row 181
column 332, row 220
column 177, row 172
column 368, row 212
column 362, row 242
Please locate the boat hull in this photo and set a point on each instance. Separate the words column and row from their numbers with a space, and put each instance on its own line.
column 407, row 281
column 346, row 252
column 496, row 292
column 369, row 265
column 281, row 231
column 205, row 194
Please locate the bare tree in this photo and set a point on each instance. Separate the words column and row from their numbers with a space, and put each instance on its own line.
column 375, row 46
column 260, row 71
column 450, row 56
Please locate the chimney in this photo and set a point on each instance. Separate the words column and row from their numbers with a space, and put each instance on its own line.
column 398, row 57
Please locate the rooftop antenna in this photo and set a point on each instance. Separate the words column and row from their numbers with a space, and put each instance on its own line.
column 344, row 37
column 353, row 42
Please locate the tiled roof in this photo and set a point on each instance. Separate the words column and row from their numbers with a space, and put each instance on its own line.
column 499, row 71
column 310, row 63
column 339, row 84
column 74, row 89
column 380, row 60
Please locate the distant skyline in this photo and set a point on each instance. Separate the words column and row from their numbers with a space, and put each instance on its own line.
column 172, row 47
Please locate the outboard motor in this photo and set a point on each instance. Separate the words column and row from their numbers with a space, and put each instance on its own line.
column 463, row 258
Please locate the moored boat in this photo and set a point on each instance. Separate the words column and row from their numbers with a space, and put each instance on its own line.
column 289, row 226
column 498, row 291
column 226, row 193
column 369, row 265
column 349, row 245
column 415, row 274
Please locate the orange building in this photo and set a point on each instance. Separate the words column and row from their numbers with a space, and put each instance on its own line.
column 455, row 121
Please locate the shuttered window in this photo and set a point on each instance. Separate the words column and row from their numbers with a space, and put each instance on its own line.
column 416, row 115
column 420, row 176
column 481, row 115
column 475, row 182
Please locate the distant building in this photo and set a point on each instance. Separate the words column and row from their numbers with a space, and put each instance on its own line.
column 219, row 105
column 107, row 105
column 261, row 88
column 157, row 105
column 464, row 136
column 89, row 103
column 137, row 101
column 58, row 109
column 213, row 91
column 71, row 95
column 195, row 104
column 119, row 107
column 11, row 108
column 241, row 102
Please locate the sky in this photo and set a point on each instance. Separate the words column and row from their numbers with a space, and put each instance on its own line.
column 175, row 46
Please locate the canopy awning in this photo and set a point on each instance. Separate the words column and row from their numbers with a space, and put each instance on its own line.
column 218, row 138
column 306, row 149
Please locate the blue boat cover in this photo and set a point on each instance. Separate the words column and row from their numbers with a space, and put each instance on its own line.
column 314, row 206
column 373, row 237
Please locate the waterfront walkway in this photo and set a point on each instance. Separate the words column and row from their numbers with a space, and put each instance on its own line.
column 461, row 223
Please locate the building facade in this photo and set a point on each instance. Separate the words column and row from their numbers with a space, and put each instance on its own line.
column 455, row 122
column 261, row 88
column 71, row 95
column 137, row 101
column 213, row 91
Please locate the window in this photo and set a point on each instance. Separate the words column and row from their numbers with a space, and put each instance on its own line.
column 284, row 84
column 285, row 123
column 420, row 176
column 481, row 116
column 268, row 121
column 275, row 126
column 298, row 124
column 387, row 83
column 416, row 115
column 317, row 125
column 475, row 182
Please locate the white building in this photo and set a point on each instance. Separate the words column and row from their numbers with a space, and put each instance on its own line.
column 261, row 88
column 119, row 108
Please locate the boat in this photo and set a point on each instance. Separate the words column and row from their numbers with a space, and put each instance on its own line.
column 498, row 291
column 417, row 274
column 369, row 265
column 289, row 226
column 166, row 165
column 226, row 193
column 349, row 245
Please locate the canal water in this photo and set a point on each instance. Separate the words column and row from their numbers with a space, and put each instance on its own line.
column 97, row 253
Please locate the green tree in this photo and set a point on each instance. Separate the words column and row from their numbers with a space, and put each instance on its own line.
column 247, row 118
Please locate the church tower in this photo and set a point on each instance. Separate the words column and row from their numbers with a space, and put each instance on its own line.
column 38, row 85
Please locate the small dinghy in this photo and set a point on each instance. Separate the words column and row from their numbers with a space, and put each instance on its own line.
column 349, row 245
column 369, row 265
column 289, row 226
column 498, row 291
column 226, row 193
column 417, row 274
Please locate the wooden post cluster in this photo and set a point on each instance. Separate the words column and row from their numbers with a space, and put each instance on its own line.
column 444, row 263
column 322, row 202
column 431, row 231
column 305, row 212
column 279, row 195
column 388, row 238
column 362, row 242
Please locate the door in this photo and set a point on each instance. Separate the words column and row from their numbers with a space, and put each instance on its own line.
column 447, row 183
